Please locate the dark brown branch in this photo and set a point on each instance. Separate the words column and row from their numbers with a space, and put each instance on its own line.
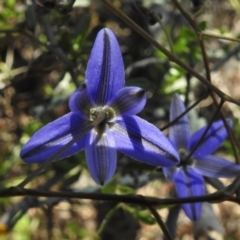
column 160, row 222
column 219, row 196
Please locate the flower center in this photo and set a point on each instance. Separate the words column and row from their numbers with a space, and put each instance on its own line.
column 101, row 116
column 184, row 159
column 106, row 113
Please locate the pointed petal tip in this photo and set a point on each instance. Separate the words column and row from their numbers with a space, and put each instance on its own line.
column 102, row 183
column 174, row 157
column 105, row 70
column 100, row 180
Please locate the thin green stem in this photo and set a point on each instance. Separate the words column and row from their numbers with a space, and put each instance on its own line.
column 107, row 218
column 208, row 34
column 169, row 40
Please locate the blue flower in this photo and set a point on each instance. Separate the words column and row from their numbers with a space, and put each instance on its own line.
column 103, row 110
column 188, row 175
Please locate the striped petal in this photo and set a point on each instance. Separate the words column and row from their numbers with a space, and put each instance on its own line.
column 55, row 135
column 179, row 132
column 80, row 101
column 142, row 141
column 215, row 136
column 213, row 166
column 128, row 101
column 101, row 156
column 188, row 183
column 105, row 70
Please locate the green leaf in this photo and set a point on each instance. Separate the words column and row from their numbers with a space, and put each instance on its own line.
column 81, row 232
column 124, row 189
column 202, row 25
column 111, row 186
column 146, row 217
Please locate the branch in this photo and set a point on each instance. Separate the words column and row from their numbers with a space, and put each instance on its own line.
column 170, row 56
column 198, row 32
column 224, row 195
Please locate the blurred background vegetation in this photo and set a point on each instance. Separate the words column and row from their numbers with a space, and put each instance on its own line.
column 44, row 49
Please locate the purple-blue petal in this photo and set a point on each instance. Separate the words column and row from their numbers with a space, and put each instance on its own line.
column 189, row 183
column 55, row 135
column 73, row 100
column 179, row 132
column 142, row 141
column 105, row 69
column 213, row 166
column 128, row 101
column 101, row 156
column 169, row 172
column 81, row 101
column 215, row 136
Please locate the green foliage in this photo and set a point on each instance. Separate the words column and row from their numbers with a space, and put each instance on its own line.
column 146, row 217
column 22, row 228
column 202, row 25
column 80, row 233
column 10, row 14
column 121, row 189
column 111, row 186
